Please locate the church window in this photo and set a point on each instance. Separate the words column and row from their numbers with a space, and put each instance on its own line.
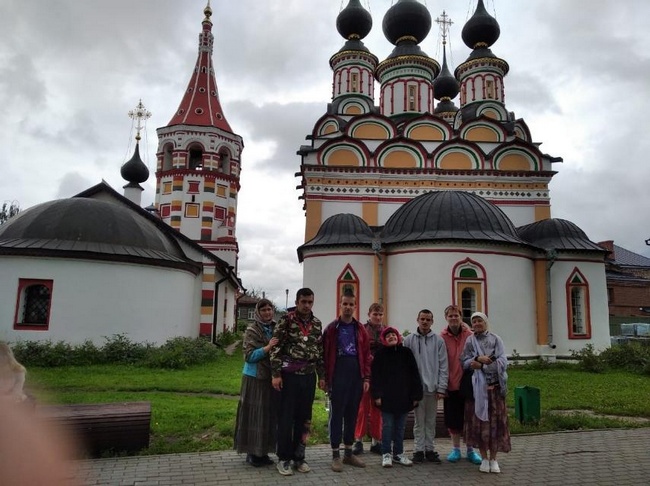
column 167, row 187
column 224, row 161
column 577, row 294
column 469, row 288
column 348, row 281
column 468, row 303
column 412, row 92
column 167, row 157
column 219, row 213
column 489, row 89
column 195, row 158
column 354, row 82
column 33, row 304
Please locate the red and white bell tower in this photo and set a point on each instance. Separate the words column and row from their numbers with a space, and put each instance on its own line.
column 198, row 162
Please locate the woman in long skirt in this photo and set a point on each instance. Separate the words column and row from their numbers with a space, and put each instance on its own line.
column 486, row 417
column 257, row 411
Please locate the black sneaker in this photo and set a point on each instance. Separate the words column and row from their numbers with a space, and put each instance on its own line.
column 375, row 449
column 432, row 456
column 357, row 448
column 266, row 460
column 418, row 457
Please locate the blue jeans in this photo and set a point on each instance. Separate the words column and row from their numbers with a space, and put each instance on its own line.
column 392, row 431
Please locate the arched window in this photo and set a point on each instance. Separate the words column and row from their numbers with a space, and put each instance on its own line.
column 224, row 158
column 578, row 314
column 195, row 158
column 469, row 290
column 347, row 282
column 168, row 158
column 33, row 304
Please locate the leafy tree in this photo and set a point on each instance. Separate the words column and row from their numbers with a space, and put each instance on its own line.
column 8, row 210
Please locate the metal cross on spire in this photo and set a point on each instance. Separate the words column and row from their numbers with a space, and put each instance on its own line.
column 444, row 22
column 139, row 115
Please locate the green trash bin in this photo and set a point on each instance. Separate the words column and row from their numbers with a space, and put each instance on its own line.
column 527, row 408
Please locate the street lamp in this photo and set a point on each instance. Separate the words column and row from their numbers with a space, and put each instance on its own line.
column 286, row 302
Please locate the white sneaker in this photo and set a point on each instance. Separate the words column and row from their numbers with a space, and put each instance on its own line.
column 403, row 460
column 485, row 466
column 494, row 467
column 387, row 460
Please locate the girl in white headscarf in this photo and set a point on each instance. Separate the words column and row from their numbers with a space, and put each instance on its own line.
column 486, row 417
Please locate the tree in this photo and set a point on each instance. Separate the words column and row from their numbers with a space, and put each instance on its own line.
column 8, row 210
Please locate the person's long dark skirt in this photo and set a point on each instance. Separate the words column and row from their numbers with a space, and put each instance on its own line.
column 493, row 434
column 257, row 417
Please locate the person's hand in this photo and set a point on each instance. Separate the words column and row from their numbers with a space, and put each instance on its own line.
column 440, row 396
column 378, row 402
column 366, row 386
column 272, row 343
column 276, row 383
column 475, row 365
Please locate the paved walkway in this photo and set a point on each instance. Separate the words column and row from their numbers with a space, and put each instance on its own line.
column 607, row 457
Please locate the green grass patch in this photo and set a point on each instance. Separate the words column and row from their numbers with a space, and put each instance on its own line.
column 194, row 409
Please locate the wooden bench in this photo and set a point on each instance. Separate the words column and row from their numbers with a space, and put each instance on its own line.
column 101, row 427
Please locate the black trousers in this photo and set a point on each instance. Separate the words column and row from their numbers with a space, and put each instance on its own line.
column 345, row 396
column 294, row 419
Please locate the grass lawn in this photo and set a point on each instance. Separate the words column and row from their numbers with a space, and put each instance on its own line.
column 194, row 410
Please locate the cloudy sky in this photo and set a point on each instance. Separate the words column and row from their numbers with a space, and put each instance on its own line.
column 579, row 77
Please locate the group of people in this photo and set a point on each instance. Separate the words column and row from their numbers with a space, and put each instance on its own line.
column 374, row 379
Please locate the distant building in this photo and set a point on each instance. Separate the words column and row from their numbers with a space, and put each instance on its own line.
column 628, row 286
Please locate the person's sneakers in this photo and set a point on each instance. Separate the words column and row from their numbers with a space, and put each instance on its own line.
column 353, row 461
column 474, row 457
column 357, row 448
column 432, row 456
column 418, row 457
column 454, row 455
column 403, row 460
column 485, row 466
column 337, row 465
column 387, row 460
column 284, row 468
column 494, row 467
column 301, row 466
column 375, row 449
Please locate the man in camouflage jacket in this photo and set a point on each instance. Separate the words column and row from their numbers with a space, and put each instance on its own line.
column 295, row 362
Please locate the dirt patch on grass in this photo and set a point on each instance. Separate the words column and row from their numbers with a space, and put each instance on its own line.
column 591, row 413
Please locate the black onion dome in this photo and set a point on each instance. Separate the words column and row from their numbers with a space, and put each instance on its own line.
column 407, row 18
column 481, row 28
column 135, row 171
column 557, row 234
column 354, row 21
column 445, row 85
column 88, row 225
column 449, row 215
column 340, row 230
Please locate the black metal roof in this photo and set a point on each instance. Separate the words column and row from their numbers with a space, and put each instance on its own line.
column 406, row 18
column 91, row 229
column 449, row 215
column 354, row 20
column 340, row 230
column 557, row 234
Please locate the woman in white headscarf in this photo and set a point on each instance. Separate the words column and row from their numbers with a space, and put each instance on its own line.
column 486, row 417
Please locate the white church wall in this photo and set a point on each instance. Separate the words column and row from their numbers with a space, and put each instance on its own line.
column 424, row 280
column 321, row 275
column 92, row 300
column 594, row 274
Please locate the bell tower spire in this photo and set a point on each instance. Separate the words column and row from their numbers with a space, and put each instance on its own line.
column 198, row 161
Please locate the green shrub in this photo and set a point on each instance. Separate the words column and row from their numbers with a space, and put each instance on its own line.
column 589, row 360
column 181, row 352
column 120, row 349
column 227, row 338
column 628, row 356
